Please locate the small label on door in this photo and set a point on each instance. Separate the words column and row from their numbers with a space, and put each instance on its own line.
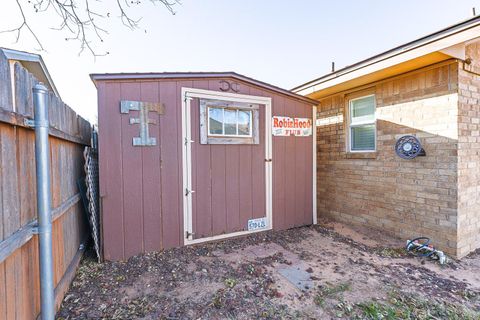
column 256, row 224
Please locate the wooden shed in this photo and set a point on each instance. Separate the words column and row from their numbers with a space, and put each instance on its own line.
column 192, row 157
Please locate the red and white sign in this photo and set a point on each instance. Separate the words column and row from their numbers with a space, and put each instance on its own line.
column 286, row 126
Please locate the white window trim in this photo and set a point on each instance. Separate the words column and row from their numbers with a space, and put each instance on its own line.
column 250, row 135
column 359, row 124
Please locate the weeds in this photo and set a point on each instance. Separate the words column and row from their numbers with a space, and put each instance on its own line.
column 401, row 305
column 230, row 282
column 330, row 292
column 181, row 284
column 391, row 252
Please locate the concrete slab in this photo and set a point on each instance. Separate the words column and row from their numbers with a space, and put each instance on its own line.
column 297, row 276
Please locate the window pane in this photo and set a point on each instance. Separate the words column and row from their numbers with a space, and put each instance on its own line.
column 215, row 120
column 230, row 120
column 363, row 110
column 244, row 122
column 363, row 138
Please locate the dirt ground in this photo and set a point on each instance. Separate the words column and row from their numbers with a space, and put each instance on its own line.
column 328, row 271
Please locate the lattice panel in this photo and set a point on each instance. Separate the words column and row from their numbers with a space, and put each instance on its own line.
column 91, row 181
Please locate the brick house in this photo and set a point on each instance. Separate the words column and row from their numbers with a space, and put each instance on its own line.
column 428, row 88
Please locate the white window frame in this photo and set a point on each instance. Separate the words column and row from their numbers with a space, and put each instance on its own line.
column 360, row 124
column 250, row 134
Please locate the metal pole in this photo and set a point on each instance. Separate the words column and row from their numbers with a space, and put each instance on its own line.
column 42, row 161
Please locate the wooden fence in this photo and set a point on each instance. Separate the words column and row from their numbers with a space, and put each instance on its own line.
column 69, row 133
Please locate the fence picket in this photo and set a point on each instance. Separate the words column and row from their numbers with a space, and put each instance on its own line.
column 19, row 259
column 5, row 84
column 8, row 152
column 23, row 91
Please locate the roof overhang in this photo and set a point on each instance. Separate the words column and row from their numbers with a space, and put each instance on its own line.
column 197, row 75
column 440, row 46
column 34, row 64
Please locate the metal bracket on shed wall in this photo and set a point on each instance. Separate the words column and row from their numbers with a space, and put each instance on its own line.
column 142, row 120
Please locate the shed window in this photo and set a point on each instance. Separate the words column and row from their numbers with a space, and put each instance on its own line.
column 228, row 122
column 362, row 124
column 232, row 122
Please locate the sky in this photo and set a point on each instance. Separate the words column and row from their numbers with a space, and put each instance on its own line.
column 285, row 43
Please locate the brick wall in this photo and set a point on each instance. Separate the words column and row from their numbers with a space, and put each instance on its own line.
column 469, row 153
column 405, row 197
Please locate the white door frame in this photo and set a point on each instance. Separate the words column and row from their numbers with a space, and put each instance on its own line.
column 314, row 169
column 187, row 95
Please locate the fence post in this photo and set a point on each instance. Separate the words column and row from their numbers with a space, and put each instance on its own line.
column 42, row 162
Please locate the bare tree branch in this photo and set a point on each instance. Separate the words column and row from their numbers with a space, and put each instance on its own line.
column 79, row 19
column 24, row 24
column 126, row 20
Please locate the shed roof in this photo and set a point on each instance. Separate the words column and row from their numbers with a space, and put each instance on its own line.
column 34, row 64
column 442, row 45
column 198, row 75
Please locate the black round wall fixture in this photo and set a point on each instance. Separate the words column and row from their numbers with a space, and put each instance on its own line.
column 409, row 147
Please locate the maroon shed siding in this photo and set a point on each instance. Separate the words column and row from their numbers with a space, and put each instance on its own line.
column 141, row 187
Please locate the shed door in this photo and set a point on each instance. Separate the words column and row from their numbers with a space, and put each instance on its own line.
column 228, row 169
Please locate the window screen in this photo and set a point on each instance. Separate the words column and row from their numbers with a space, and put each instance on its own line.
column 362, row 124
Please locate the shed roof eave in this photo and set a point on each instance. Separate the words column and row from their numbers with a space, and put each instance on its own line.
column 197, row 75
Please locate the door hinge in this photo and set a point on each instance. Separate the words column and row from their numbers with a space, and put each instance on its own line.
column 187, row 191
column 268, row 160
column 187, row 141
column 188, row 234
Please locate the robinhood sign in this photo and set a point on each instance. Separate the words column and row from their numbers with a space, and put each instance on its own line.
column 286, row 126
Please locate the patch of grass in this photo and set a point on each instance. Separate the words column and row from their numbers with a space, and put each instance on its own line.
column 250, row 269
column 343, row 309
column 328, row 292
column 391, row 252
column 345, row 286
column 376, row 310
column 218, row 299
column 230, row 282
column 270, row 311
column 470, row 295
column 406, row 306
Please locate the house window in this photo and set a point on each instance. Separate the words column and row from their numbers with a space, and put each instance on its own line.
column 229, row 122
column 362, row 124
